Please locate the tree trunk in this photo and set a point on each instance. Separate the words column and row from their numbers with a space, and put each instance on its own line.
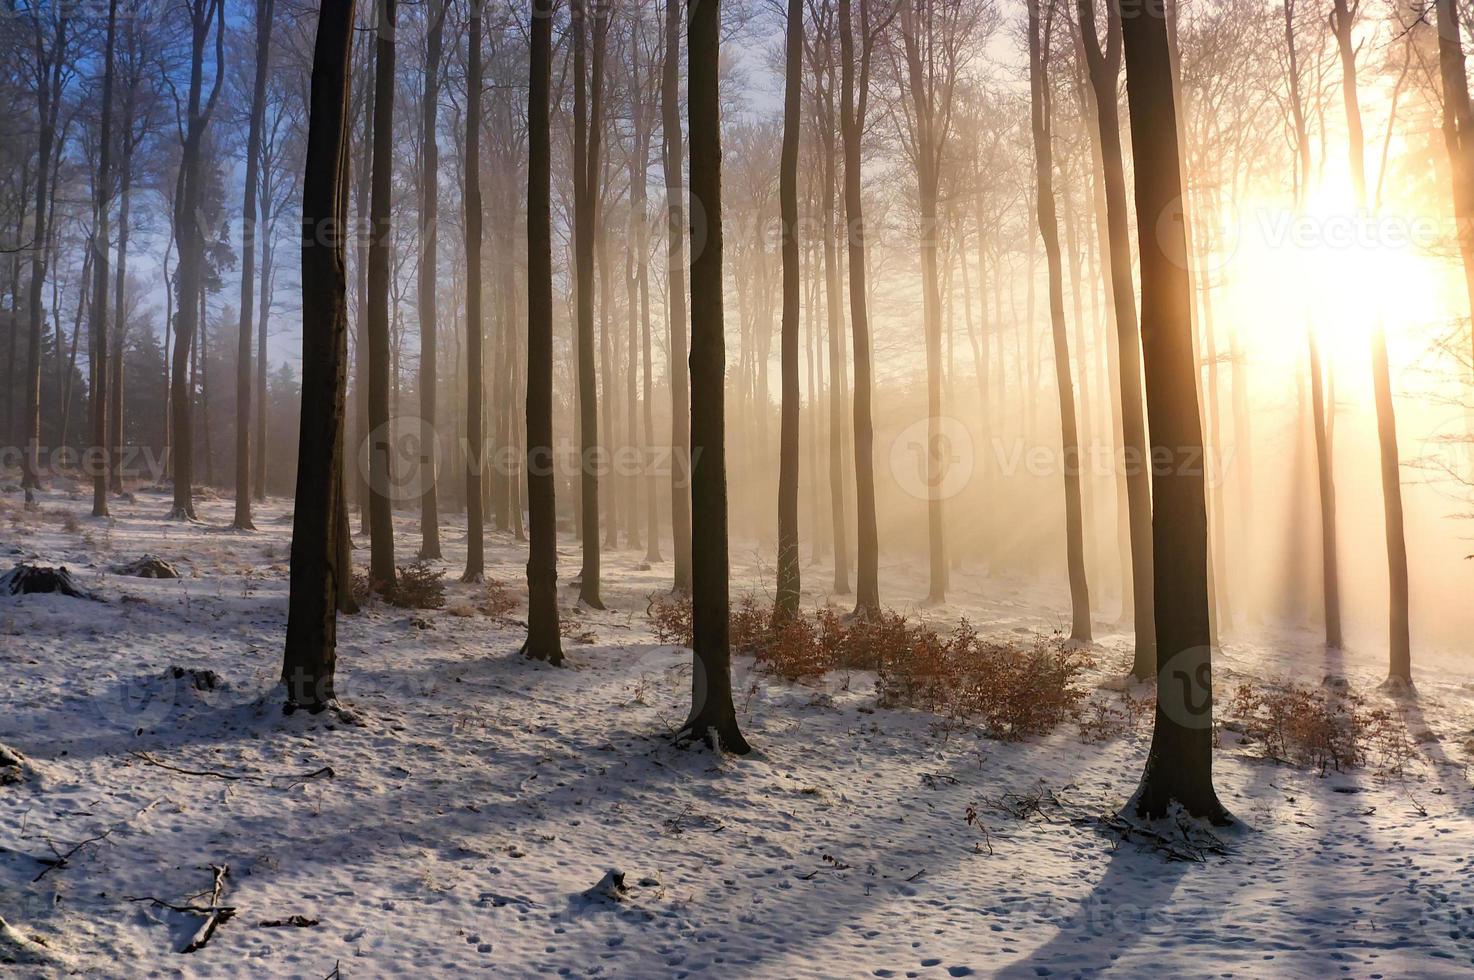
column 381, row 514
column 189, row 238
column 98, row 332
column 120, row 304
column 788, row 567
column 475, row 437
column 587, row 129
column 543, row 639
column 1105, row 69
column 267, row 253
column 1049, row 232
column 1179, row 766
column 713, row 716
column 428, row 279
column 680, row 385
column 48, row 89
column 265, row 12
column 1458, row 133
column 853, row 99
column 319, row 518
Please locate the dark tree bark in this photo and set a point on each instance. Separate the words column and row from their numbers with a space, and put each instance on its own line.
column 265, row 13
column 381, row 513
column 264, row 317
column 713, row 716
column 475, row 437
column 320, row 516
column 1105, row 69
column 788, row 567
column 1458, row 133
column 189, row 237
column 543, row 639
column 50, row 59
column 854, row 97
column 1045, row 214
column 587, row 130
column 428, row 281
column 100, row 240
column 1179, row 766
column 680, row 385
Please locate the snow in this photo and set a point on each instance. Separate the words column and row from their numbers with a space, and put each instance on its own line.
column 472, row 817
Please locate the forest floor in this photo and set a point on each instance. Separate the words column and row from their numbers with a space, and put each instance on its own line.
column 469, row 815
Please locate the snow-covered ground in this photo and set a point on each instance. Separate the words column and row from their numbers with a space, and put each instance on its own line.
column 465, row 820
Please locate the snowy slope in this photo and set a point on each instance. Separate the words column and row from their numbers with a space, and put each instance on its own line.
column 480, row 799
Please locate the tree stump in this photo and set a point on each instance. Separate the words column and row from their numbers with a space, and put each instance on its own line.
column 40, row 579
column 147, row 566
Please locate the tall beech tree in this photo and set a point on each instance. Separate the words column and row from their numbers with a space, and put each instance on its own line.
column 381, row 240
column 543, row 639
column 588, row 127
column 100, row 241
column 51, row 27
column 475, row 371
column 1179, row 765
column 854, row 103
column 1399, row 670
column 1040, row 31
column 788, row 564
column 190, row 241
column 250, row 227
column 320, row 517
column 1104, row 67
column 672, row 154
column 713, row 715
column 428, row 281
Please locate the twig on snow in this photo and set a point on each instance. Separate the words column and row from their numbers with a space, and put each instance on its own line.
column 60, row 860
column 286, row 781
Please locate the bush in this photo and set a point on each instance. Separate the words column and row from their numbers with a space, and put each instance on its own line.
column 1319, row 728
column 499, row 602
column 420, row 586
column 1011, row 692
column 670, row 618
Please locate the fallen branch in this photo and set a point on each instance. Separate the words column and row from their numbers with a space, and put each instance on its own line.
column 217, row 913
column 286, row 781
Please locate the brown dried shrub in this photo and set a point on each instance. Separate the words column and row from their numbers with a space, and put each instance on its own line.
column 499, row 600
column 1319, row 728
column 670, row 618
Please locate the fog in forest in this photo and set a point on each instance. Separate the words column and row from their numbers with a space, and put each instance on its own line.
column 815, row 336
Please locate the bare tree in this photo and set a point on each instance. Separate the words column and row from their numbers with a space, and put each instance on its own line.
column 428, row 278
column 189, row 237
column 788, row 566
column 475, row 374
column 1040, row 30
column 672, row 154
column 713, row 716
column 320, row 517
column 1179, row 766
column 1104, row 67
column 543, row 639
column 98, row 331
column 265, row 13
